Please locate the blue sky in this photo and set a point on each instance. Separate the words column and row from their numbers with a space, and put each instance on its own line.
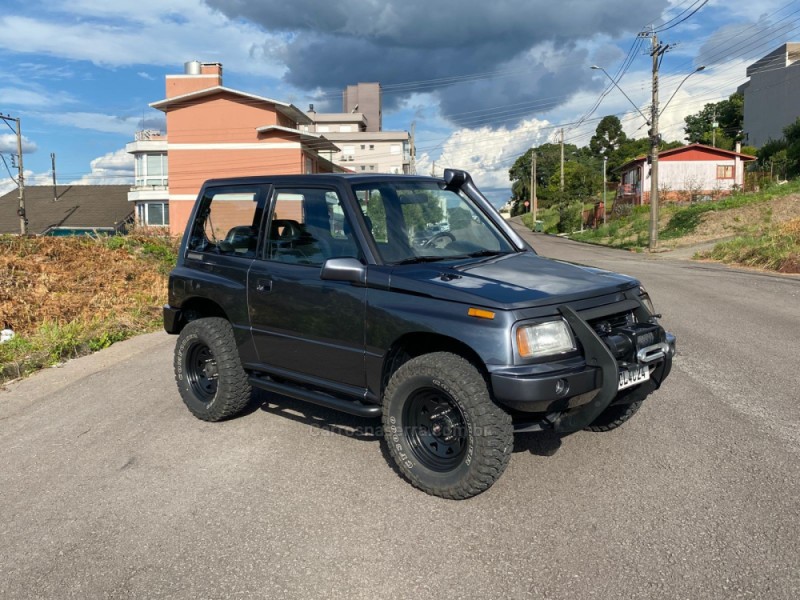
column 482, row 81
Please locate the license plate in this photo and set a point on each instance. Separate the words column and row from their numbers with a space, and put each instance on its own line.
column 631, row 377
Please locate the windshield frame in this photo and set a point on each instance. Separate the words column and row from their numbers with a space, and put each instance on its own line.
column 399, row 241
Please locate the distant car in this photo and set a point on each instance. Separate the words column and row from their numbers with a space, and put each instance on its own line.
column 316, row 287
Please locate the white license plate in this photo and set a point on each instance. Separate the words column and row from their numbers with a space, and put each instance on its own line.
column 631, row 377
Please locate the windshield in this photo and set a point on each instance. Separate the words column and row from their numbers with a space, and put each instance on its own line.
column 413, row 221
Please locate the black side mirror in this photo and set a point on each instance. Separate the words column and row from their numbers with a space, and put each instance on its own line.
column 344, row 269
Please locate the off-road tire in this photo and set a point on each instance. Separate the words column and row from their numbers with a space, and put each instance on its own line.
column 487, row 435
column 614, row 416
column 226, row 392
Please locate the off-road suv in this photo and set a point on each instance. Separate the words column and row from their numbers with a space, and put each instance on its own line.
column 411, row 299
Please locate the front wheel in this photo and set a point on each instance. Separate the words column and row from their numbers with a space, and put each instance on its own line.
column 208, row 371
column 442, row 429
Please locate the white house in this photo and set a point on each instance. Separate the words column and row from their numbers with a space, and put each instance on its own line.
column 684, row 173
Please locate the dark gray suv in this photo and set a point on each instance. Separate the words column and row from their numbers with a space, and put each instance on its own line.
column 406, row 298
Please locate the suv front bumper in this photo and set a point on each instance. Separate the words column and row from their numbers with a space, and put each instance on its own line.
column 567, row 384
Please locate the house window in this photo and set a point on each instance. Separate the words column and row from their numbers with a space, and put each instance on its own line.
column 153, row 214
column 724, row 171
column 363, row 147
column 151, row 169
column 345, row 128
column 372, row 146
column 309, row 165
column 323, row 129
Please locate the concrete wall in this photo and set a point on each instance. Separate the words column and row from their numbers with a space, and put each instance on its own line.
column 366, row 99
column 771, row 96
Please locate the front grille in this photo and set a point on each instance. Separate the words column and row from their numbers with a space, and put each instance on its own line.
column 604, row 325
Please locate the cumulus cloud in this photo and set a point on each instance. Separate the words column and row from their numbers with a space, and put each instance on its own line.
column 487, row 153
column 112, row 168
column 8, row 144
column 331, row 43
column 31, row 178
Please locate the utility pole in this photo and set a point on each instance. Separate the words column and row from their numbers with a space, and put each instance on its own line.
column 656, row 52
column 55, row 189
column 23, row 221
column 714, row 125
column 535, row 197
column 605, row 205
column 413, row 150
column 562, row 160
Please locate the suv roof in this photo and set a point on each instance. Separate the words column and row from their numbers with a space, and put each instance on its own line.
column 350, row 178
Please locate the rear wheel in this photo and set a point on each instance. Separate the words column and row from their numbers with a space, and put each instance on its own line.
column 208, row 371
column 442, row 429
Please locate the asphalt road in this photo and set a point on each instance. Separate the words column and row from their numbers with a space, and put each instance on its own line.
column 110, row 488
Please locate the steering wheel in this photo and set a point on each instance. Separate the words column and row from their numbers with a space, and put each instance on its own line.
column 440, row 240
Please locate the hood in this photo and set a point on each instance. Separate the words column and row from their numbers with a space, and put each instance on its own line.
column 517, row 280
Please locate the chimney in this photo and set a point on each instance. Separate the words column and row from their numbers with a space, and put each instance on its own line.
column 738, row 147
column 196, row 76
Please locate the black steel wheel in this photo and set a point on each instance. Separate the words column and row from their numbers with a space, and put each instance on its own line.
column 442, row 429
column 436, row 432
column 210, row 377
column 201, row 371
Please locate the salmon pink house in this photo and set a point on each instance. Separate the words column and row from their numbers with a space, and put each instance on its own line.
column 684, row 174
column 214, row 131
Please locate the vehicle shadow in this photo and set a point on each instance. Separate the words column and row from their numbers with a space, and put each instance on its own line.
column 328, row 421
column 540, row 443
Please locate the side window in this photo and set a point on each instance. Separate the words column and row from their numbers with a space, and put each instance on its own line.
column 309, row 226
column 227, row 222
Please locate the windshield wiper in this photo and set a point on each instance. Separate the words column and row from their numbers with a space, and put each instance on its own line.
column 479, row 253
column 421, row 259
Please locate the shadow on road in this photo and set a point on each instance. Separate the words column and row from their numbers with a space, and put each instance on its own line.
column 326, row 420
column 541, row 443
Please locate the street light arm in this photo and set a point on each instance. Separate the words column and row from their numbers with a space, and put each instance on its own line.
column 697, row 70
column 623, row 92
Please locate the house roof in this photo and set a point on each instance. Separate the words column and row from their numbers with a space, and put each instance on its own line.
column 77, row 206
column 289, row 110
column 319, row 142
column 711, row 150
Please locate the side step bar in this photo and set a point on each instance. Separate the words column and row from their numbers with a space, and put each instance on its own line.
column 351, row 407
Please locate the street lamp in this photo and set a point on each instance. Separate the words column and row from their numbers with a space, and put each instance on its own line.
column 611, row 79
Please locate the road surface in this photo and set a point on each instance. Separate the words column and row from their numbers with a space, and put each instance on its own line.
column 109, row 488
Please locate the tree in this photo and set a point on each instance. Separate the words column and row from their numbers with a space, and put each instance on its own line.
column 729, row 115
column 782, row 156
column 608, row 136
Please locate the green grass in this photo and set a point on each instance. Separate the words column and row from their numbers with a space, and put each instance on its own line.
column 686, row 220
column 632, row 231
column 776, row 249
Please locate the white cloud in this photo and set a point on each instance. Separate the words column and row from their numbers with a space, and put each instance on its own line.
column 31, row 178
column 31, row 98
column 95, row 122
column 486, row 153
column 8, row 144
column 123, row 32
column 112, row 168
column 144, row 75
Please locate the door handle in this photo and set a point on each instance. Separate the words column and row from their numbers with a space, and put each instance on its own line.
column 264, row 285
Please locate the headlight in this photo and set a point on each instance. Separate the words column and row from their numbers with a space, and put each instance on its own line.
column 544, row 339
column 645, row 298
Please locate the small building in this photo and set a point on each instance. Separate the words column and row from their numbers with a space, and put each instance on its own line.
column 71, row 210
column 684, row 174
column 770, row 96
